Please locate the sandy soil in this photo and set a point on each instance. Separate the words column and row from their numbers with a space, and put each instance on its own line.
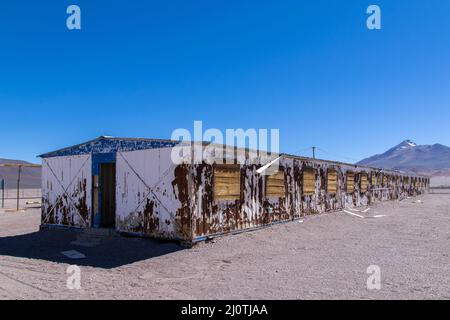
column 325, row 257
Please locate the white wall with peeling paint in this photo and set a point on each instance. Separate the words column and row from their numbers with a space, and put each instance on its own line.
column 67, row 185
column 144, row 178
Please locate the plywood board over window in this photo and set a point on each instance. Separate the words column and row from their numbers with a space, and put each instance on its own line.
column 350, row 182
column 332, row 183
column 364, row 182
column 385, row 181
column 374, row 179
column 227, row 182
column 309, row 182
column 275, row 185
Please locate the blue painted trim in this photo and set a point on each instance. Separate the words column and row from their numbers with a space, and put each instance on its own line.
column 106, row 145
column 100, row 158
column 200, row 239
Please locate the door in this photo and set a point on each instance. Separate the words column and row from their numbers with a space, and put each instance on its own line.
column 108, row 195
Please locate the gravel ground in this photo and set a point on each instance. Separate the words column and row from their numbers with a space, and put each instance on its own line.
column 323, row 257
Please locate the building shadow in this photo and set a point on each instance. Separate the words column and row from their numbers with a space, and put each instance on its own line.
column 109, row 253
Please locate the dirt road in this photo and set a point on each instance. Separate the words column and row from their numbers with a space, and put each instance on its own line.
column 323, row 257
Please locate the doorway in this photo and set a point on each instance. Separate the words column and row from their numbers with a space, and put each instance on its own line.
column 108, row 195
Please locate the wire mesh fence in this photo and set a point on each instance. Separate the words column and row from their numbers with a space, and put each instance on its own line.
column 28, row 198
column 20, row 196
column 440, row 190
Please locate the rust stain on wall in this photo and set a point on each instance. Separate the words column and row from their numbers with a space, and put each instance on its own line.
column 254, row 209
column 178, row 202
column 66, row 208
column 150, row 219
column 181, row 191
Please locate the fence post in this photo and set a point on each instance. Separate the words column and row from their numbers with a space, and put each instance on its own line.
column 18, row 187
column 2, row 185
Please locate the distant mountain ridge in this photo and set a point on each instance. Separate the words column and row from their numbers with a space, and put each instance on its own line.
column 410, row 157
column 30, row 177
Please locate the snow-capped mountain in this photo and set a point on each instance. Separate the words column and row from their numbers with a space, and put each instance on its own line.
column 408, row 156
column 406, row 144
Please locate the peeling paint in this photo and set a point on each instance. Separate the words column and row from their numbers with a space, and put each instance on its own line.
column 66, row 191
column 156, row 198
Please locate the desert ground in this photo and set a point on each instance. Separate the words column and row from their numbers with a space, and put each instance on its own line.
column 321, row 257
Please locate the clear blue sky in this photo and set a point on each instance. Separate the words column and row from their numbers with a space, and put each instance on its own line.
column 144, row 68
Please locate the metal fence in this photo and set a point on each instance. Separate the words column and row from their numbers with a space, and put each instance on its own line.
column 11, row 194
column 18, row 195
column 27, row 198
column 440, row 190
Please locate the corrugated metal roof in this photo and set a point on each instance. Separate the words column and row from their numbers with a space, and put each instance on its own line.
column 105, row 144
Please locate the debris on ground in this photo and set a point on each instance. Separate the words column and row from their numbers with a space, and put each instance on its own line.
column 73, row 254
column 354, row 214
column 32, row 202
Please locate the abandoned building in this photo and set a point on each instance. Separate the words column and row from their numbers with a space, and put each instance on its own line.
column 133, row 187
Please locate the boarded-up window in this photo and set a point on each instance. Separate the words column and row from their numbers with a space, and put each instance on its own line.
column 332, row 183
column 350, row 182
column 374, row 179
column 227, row 182
column 309, row 182
column 275, row 187
column 364, row 182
